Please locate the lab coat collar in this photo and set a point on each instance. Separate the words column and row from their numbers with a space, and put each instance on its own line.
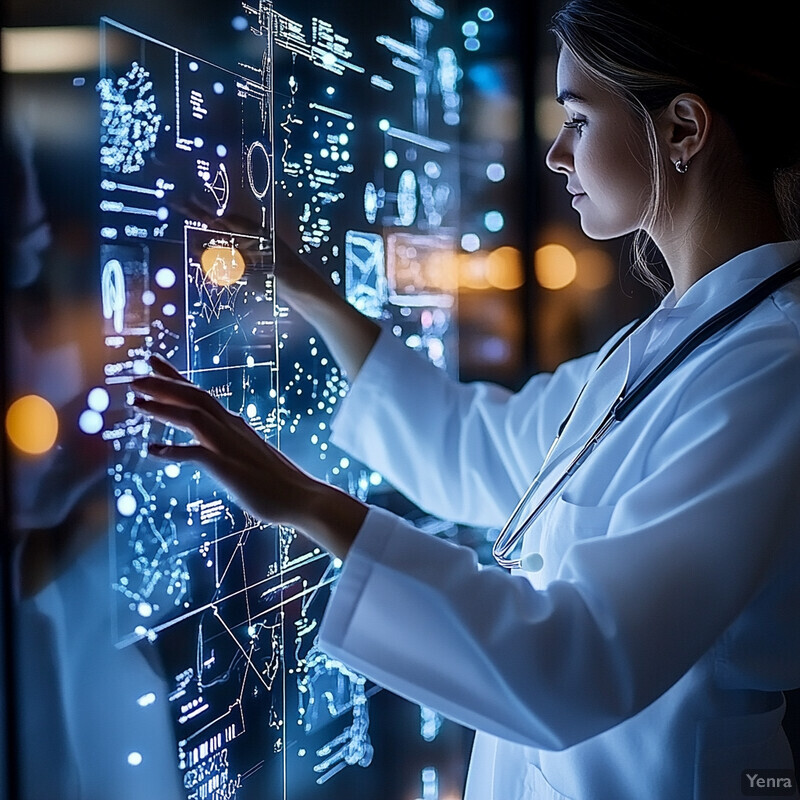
column 625, row 367
column 735, row 277
column 720, row 288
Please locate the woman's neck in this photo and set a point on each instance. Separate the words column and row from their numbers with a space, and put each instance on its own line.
column 703, row 235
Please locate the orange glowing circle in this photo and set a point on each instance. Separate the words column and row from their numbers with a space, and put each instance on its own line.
column 504, row 268
column 32, row 424
column 222, row 265
column 555, row 266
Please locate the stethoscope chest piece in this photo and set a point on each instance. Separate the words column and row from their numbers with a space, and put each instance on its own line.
column 532, row 562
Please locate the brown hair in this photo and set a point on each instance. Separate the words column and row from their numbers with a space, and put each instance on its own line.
column 647, row 54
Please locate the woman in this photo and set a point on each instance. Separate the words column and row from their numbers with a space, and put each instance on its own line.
column 640, row 648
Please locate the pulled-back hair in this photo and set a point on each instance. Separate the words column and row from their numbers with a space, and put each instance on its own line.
column 743, row 65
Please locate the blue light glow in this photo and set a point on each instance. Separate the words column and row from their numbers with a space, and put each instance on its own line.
column 493, row 220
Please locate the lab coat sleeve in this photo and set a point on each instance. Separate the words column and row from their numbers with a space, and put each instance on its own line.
column 461, row 451
column 688, row 548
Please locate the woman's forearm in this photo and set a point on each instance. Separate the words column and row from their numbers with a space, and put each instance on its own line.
column 348, row 334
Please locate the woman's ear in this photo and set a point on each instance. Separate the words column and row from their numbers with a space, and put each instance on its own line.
column 685, row 126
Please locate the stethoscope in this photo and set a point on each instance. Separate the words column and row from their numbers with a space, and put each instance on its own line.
column 549, row 481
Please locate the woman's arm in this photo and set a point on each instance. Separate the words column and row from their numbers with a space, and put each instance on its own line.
column 348, row 334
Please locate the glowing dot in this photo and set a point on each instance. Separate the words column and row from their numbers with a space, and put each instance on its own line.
column 222, row 151
column 344, row 462
column 239, row 23
column 470, row 28
column 330, row 90
column 165, row 278
column 193, row 66
column 329, row 59
column 384, row 125
column 472, row 45
column 252, row 410
column 390, row 159
column 218, row 88
column 144, row 609
column 162, row 213
column 198, row 142
column 134, row 759
column 493, row 220
column 595, row 269
column 495, row 172
column 90, row 422
column 32, row 424
column 432, row 169
column 146, row 699
column 555, row 266
column 126, row 504
column 470, row 242
column 435, row 349
column 98, row 399
column 222, row 265
column 504, row 268
column 148, row 297
column 172, row 470
column 337, row 563
column 169, row 310
column 375, row 478
column 486, row 14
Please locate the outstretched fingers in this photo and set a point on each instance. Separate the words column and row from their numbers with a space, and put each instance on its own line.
column 170, row 398
column 162, row 367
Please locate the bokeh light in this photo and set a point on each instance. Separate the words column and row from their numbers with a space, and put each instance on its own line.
column 504, row 268
column 595, row 269
column 32, row 424
column 222, row 265
column 555, row 266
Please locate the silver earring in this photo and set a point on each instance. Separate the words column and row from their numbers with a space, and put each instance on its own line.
column 681, row 167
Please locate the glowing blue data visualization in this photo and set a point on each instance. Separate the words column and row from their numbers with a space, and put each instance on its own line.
column 206, row 172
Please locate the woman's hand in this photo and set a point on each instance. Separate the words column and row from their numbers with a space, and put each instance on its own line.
column 261, row 479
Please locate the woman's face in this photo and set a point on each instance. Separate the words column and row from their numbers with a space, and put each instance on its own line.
column 602, row 149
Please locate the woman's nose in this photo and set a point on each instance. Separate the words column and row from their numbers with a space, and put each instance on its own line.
column 559, row 157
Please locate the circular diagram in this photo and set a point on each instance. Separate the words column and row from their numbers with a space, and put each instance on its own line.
column 259, row 172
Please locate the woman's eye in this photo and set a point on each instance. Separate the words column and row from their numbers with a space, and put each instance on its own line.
column 576, row 124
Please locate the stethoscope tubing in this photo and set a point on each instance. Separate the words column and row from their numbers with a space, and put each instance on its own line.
column 625, row 403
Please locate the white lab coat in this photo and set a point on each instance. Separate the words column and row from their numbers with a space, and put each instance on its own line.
column 646, row 658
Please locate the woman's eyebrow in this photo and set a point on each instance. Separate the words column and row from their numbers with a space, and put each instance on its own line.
column 567, row 95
